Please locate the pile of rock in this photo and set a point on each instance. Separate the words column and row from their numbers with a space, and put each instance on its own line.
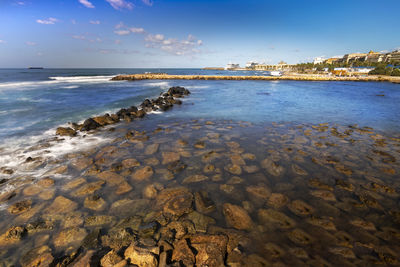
column 164, row 102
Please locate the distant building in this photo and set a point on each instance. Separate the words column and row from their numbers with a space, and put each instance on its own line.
column 251, row 64
column 374, row 57
column 353, row 57
column 333, row 60
column 232, row 66
column 318, row 60
column 282, row 66
column 393, row 56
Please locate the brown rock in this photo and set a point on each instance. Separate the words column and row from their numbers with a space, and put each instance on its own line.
column 211, row 249
column 65, row 131
column 237, row 217
column 69, row 236
column 143, row 173
column 130, row 163
column 194, row 179
column 74, row 183
column 82, row 163
column 46, row 182
column 237, row 160
column 123, row 188
column 234, row 169
column 272, row 167
column 94, row 203
column 203, row 203
column 20, row 207
column 169, row 157
column 150, row 191
column 111, row 177
column 84, row 260
column 175, row 201
column 32, row 190
column 110, row 259
column 88, row 189
column 275, row 217
column 37, row 257
column 301, row 208
column 61, row 205
column 261, row 192
column 182, row 253
column 47, row 194
column 142, row 257
column 277, row 200
column 151, row 149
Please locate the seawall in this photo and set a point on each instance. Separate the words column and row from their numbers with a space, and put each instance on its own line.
column 135, row 77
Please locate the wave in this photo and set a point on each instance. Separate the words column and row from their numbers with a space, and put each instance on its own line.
column 82, row 79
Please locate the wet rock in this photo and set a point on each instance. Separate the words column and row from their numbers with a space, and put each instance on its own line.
column 40, row 256
column 117, row 238
column 94, row 202
column 319, row 185
column 237, row 217
column 123, row 188
column 211, row 249
column 69, row 236
column 322, row 222
column 300, row 208
column 195, row 179
column 183, row 254
column 178, row 91
column 272, row 167
column 208, row 168
column 61, row 205
column 74, row 183
column 84, row 260
column 39, row 225
column 273, row 250
column 227, row 188
column 152, row 161
column 299, row 171
column 74, row 219
column 151, row 149
column 200, row 221
column 142, row 173
column 277, row 200
column 175, row 201
column 150, row 191
column 130, row 163
column 251, row 168
column 88, row 189
column 200, row 145
column 82, row 163
column 46, row 182
column 234, row 169
column 203, row 203
column 111, row 178
column 176, row 166
column 12, row 235
column 369, row 226
column 169, row 157
column 110, row 259
column 299, row 237
column 147, row 230
column 127, row 207
column 237, row 160
column 31, row 190
column 344, row 185
column 275, row 217
column 344, row 252
column 105, row 120
column 142, row 257
column 90, row 124
column 20, row 207
column 259, row 191
column 325, row 195
column 98, row 220
column 65, row 131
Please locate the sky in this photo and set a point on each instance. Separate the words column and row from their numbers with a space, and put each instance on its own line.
column 190, row 33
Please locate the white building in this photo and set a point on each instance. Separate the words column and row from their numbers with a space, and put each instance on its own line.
column 231, row 66
column 251, row 64
column 318, row 60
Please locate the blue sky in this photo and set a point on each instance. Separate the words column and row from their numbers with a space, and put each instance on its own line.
column 185, row 33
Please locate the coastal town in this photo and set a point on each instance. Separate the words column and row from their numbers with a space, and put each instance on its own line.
column 352, row 64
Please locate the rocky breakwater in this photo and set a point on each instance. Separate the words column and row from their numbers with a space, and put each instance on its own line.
column 164, row 102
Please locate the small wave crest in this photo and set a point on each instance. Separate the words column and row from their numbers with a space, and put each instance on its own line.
column 81, row 79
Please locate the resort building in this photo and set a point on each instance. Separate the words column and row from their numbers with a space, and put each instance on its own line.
column 318, row 60
column 333, row 60
column 393, row 57
column 374, row 57
column 232, row 66
column 353, row 57
column 251, row 64
column 282, row 66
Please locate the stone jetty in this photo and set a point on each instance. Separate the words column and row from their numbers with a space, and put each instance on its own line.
column 299, row 77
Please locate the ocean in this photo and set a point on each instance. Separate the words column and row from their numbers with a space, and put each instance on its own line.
column 307, row 161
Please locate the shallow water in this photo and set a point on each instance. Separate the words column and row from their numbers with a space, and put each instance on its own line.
column 316, row 195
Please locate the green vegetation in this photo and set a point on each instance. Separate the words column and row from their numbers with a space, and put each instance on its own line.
column 384, row 70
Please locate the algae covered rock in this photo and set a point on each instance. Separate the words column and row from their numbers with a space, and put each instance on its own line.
column 237, row 217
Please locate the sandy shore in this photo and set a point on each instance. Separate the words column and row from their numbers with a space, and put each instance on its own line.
column 298, row 77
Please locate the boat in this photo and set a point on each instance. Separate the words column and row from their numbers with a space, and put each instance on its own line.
column 275, row 73
column 35, row 68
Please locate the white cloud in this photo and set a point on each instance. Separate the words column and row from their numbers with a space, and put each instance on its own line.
column 120, row 25
column 94, row 22
column 120, row 4
column 2, row 42
column 30, row 43
column 137, row 30
column 79, row 37
column 122, row 32
column 188, row 46
column 148, row 2
column 47, row 21
column 86, row 3
column 87, row 37
column 21, row 3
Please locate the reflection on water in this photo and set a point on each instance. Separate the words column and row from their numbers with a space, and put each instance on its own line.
column 212, row 193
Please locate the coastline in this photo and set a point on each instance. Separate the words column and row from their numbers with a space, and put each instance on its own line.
column 303, row 77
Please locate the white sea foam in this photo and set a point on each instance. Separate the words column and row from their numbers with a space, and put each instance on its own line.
column 70, row 87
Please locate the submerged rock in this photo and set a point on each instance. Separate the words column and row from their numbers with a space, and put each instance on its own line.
column 61, row 205
column 40, row 256
column 237, row 217
column 141, row 256
column 69, row 236
column 272, row 167
column 211, row 249
column 174, row 202
column 194, row 179
column 20, row 207
column 182, row 253
column 142, row 173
